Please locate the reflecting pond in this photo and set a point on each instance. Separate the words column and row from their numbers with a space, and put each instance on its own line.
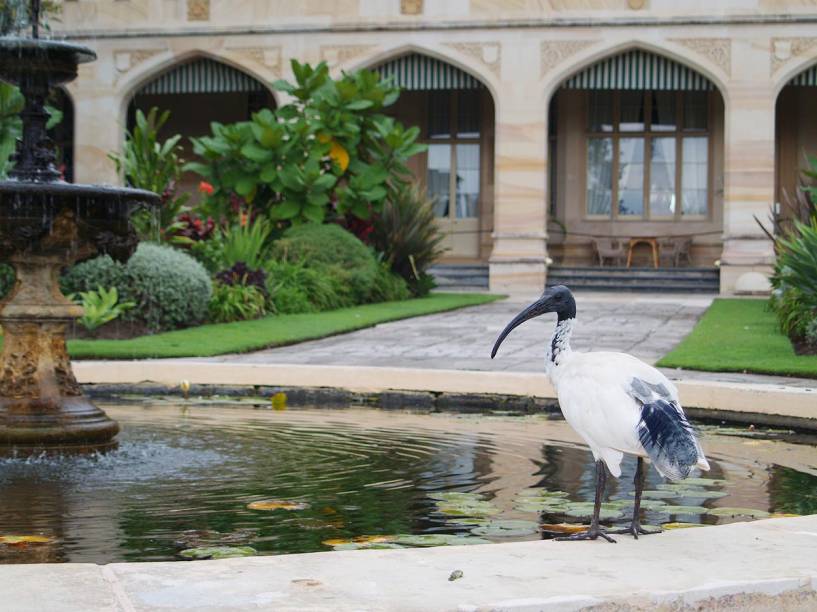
column 210, row 480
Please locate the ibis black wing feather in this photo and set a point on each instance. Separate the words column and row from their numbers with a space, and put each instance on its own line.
column 664, row 431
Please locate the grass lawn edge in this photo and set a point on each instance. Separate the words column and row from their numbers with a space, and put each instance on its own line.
column 212, row 340
column 739, row 335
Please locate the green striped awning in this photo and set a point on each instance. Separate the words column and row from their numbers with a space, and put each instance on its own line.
column 202, row 76
column 807, row 78
column 416, row 71
column 638, row 70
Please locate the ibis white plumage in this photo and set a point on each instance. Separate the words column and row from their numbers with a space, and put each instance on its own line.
column 618, row 405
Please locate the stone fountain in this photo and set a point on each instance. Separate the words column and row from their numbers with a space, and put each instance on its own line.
column 45, row 225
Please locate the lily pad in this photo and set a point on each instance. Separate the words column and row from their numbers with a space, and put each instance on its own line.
column 585, row 510
column 701, row 494
column 364, row 539
column 660, row 494
column 563, row 527
column 541, row 507
column 538, row 492
column 217, row 552
column 367, row 546
column 277, row 504
column 470, row 509
column 685, row 509
column 458, row 497
column 783, row 515
column 680, row 525
column 739, row 512
column 18, row 540
column 507, row 528
column 704, row 482
column 437, row 539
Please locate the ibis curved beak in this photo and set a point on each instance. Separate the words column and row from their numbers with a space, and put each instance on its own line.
column 539, row 307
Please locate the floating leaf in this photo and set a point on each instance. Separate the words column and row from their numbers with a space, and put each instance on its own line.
column 680, row 525
column 541, row 493
column 563, row 528
column 277, row 504
column 739, row 512
column 217, row 552
column 437, row 539
column 701, row 494
column 279, row 401
column 541, row 507
column 364, row 539
column 783, row 515
column 507, row 528
column 471, row 509
column 685, row 509
column 662, row 494
column 459, row 497
column 17, row 540
column 367, row 546
column 585, row 510
column 704, row 482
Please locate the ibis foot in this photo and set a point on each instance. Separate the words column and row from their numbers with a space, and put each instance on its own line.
column 635, row 530
column 591, row 534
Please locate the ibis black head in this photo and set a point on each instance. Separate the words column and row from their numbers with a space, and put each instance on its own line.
column 556, row 299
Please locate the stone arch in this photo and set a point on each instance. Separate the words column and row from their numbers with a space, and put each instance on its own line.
column 644, row 218
column 461, row 61
column 784, row 77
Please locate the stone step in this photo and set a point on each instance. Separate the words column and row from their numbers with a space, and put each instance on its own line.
column 460, row 277
column 658, row 280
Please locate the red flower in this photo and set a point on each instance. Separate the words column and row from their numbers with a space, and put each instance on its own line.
column 206, row 187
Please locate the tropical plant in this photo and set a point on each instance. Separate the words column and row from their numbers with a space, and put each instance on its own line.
column 241, row 274
column 802, row 206
column 329, row 151
column 148, row 163
column 407, row 235
column 248, row 243
column 294, row 288
column 100, row 307
column 795, row 279
column 236, row 302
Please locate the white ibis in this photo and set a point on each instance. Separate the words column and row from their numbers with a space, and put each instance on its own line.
column 617, row 404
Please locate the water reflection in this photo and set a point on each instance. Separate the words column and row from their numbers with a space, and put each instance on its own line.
column 177, row 482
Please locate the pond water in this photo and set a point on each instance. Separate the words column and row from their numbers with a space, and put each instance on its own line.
column 203, row 476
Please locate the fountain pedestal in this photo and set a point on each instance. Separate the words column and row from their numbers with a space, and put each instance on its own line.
column 45, row 225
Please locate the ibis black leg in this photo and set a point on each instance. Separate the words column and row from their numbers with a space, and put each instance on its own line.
column 635, row 529
column 595, row 530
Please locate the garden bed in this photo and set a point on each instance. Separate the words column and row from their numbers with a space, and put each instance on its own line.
column 737, row 335
column 271, row 331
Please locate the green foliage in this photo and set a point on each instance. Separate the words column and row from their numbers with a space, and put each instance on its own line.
column 11, row 103
column 15, row 15
column 811, row 332
column 388, row 287
column 236, row 303
column 154, row 165
column 170, row 288
column 100, row 307
column 7, row 279
column 295, row 288
column 100, row 271
column 330, row 150
column 247, row 243
column 407, row 234
column 795, row 279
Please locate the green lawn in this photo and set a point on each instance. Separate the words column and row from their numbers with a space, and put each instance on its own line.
column 210, row 340
column 739, row 336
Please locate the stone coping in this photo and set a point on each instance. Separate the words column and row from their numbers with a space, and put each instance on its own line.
column 761, row 565
column 769, row 404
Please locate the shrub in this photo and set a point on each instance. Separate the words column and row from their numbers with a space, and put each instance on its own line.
column 407, row 235
column 795, row 279
column 388, row 287
column 7, row 279
column 319, row 246
column 241, row 274
column 331, row 149
column 236, row 303
column 101, row 271
column 170, row 288
column 811, row 332
column 295, row 288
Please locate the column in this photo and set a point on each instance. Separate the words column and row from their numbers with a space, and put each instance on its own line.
column 518, row 260
column 749, row 171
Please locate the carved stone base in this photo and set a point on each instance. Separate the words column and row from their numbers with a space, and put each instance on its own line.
column 41, row 403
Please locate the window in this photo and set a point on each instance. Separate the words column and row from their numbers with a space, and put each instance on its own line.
column 647, row 154
column 453, row 134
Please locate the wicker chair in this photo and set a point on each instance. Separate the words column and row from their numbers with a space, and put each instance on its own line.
column 610, row 248
column 675, row 250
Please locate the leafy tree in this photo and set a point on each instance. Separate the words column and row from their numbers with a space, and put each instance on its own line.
column 331, row 151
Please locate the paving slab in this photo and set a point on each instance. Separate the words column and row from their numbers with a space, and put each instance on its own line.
column 760, row 565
